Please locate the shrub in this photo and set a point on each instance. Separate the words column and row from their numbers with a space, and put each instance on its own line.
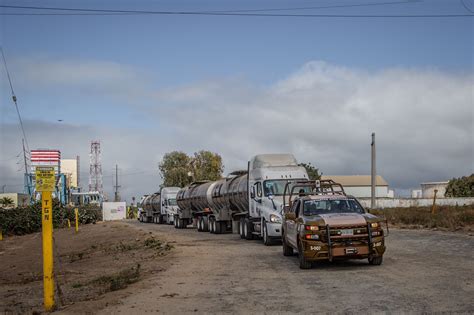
column 25, row 220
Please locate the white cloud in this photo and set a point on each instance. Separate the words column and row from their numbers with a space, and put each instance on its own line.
column 322, row 113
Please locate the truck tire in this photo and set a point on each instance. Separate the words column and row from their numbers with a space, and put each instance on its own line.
column 160, row 219
column 205, row 224
column 212, row 225
column 376, row 261
column 304, row 264
column 267, row 241
column 218, row 229
column 287, row 249
column 241, row 228
column 199, row 224
column 183, row 223
column 248, row 229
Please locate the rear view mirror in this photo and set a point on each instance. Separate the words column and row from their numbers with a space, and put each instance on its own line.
column 290, row 216
column 252, row 193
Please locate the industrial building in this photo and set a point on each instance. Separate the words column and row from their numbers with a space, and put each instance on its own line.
column 70, row 168
column 428, row 189
column 359, row 186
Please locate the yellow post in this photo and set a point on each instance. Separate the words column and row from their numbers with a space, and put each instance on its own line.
column 76, row 212
column 68, row 223
column 47, row 220
column 1, row 235
column 45, row 183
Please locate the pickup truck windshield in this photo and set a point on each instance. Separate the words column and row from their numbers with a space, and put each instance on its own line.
column 172, row 202
column 277, row 187
column 315, row 207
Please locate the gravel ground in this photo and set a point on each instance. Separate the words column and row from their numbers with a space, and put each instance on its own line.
column 423, row 271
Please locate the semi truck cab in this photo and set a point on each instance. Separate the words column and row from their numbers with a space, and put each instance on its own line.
column 268, row 175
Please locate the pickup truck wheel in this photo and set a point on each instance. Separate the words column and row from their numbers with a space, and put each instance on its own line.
column 304, row 264
column 287, row 249
column 248, row 229
column 376, row 261
column 267, row 241
column 241, row 228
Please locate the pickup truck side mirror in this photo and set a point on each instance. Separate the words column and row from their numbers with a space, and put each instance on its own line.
column 290, row 216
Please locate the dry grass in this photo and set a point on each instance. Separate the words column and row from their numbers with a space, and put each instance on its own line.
column 452, row 218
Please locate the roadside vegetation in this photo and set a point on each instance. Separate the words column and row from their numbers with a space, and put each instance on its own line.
column 451, row 218
column 25, row 220
column 461, row 187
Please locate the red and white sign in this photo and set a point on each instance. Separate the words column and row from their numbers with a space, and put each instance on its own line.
column 46, row 157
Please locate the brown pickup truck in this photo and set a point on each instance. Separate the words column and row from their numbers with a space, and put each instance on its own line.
column 321, row 222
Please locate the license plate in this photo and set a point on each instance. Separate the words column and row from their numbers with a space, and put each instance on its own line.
column 350, row 251
column 347, row 232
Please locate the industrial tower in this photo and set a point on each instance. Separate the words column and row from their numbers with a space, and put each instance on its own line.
column 95, row 172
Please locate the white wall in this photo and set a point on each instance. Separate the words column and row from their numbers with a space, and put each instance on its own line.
column 365, row 191
column 415, row 202
column 114, row 211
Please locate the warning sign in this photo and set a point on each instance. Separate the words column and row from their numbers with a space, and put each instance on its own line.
column 45, row 179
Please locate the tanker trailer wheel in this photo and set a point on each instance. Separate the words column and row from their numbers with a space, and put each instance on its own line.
column 248, row 229
column 177, row 225
column 376, row 261
column 160, row 219
column 266, row 239
column 205, row 224
column 241, row 228
column 199, row 224
column 212, row 226
column 218, row 227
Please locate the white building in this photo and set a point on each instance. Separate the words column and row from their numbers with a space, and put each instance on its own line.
column 70, row 167
column 428, row 189
column 359, row 186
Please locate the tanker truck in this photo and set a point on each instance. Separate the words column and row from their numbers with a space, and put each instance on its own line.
column 247, row 202
column 160, row 207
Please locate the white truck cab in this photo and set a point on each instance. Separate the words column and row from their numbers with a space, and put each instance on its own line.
column 267, row 177
column 169, row 207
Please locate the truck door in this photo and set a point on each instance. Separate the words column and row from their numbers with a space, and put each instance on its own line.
column 255, row 199
column 291, row 226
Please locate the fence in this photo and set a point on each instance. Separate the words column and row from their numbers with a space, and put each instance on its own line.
column 382, row 203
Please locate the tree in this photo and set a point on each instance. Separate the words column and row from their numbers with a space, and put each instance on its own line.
column 6, row 202
column 460, row 187
column 312, row 171
column 174, row 169
column 207, row 166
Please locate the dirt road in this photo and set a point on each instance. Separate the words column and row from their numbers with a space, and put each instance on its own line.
column 423, row 271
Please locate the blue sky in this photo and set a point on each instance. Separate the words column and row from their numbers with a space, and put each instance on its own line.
column 152, row 58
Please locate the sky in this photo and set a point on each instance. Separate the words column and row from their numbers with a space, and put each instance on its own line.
column 317, row 87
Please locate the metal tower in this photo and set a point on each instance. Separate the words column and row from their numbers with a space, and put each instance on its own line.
column 95, row 171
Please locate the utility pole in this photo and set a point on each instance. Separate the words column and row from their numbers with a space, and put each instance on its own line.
column 27, row 173
column 116, row 199
column 373, row 174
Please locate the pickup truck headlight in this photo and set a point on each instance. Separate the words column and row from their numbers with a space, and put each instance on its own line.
column 274, row 218
column 374, row 225
column 311, row 228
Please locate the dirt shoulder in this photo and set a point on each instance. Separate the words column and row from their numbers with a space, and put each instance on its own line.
column 101, row 258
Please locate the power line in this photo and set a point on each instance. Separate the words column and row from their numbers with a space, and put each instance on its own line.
column 466, row 7
column 322, row 7
column 108, row 11
column 245, row 10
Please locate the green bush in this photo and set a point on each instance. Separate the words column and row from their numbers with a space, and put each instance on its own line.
column 25, row 220
column 461, row 187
